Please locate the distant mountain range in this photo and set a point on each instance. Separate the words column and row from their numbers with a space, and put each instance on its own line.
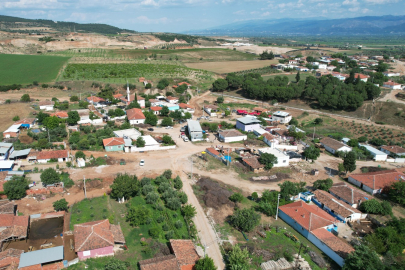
column 370, row 25
column 9, row 23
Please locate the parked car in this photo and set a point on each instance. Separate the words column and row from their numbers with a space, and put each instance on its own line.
column 182, row 129
column 150, row 129
column 142, row 162
column 169, row 127
column 185, row 139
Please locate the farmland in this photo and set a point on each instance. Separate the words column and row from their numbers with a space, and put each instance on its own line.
column 123, row 71
column 228, row 66
column 24, row 69
column 183, row 55
column 8, row 111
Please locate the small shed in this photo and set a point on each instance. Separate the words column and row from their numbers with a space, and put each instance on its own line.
column 41, row 257
column 6, row 165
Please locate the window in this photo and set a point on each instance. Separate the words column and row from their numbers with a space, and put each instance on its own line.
column 86, row 253
column 284, row 161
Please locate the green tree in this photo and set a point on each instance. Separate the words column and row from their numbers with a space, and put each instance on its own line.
column 318, row 121
column 115, row 264
column 148, row 86
column 51, row 122
column 297, row 77
column 362, row 139
column 182, row 88
column 167, row 140
column 255, row 196
column 73, row 118
column 126, row 186
column 363, row 258
column 245, row 219
column 138, row 215
column 188, row 115
column 151, row 119
column 219, row 85
column 188, row 211
column 167, row 121
column 349, row 162
column 220, row 100
column 375, row 207
column 80, row 154
column 236, row 197
column 353, row 143
column 205, row 263
column 60, row 205
column 238, row 259
column 163, row 83
column 325, row 184
column 293, row 122
column 74, row 98
column 15, row 188
column 311, row 153
column 50, row 176
column 268, row 160
column 288, row 189
column 140, row 142
column 396, row 192
column 165, row 111
column 25, row 98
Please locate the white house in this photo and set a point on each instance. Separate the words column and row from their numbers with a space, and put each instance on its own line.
column 270, row 139
column 392, row 85
column 293, row 62
column 302, row 69
column 135, row 116
column 283, row 160
column 282, row 117
column 260, row 132
column 130, row 133
column 393, row 150
column 377, row 154
column 392, row 74
column 84, row 114
column 46, row 105
column 333, row 146
column 231, row 135
column 45, row 156
column 172, row 100
column 194, row 130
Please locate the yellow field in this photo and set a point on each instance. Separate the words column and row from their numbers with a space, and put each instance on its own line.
column 231, row 66
column 8, row 111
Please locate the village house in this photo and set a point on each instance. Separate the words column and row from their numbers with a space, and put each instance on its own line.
column 140, row 100
column 333, row 146
column 13, row 227
column 335, row 207
column 12, row 132
column 194, row 130
column 184, row 257
column 391, row 74
column 283, row 160
column 46, row 105
column 26, row 122
column 172, row 100
column 350, row 195
column 247, row 123
column 211, row 110
column 281, row 117
column 61, row 115
column 393, row 150
column 135, row 116
column 375, row 182
column 270, row 139
column 10, row 258
column 282, row 134
column 97, row 239
column 315, row 225
column 302, row 69
column 130, row 133
column 156, row 110
column 377, row 154
column 212, row 152
column 362, row 77
column 114, row 144
column 392, row 85
column 46, row 156
column 6, row 206
column 6, row 165
column 253, row 163
column 95, row 100
column 186, row 108
column 150, row 144
column 231, row 135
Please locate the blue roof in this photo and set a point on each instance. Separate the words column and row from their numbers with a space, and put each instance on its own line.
column 41, row 256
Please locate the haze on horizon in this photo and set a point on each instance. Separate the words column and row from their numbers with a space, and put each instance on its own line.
column 183, row 15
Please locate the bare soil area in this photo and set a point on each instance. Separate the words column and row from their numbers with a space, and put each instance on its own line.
column 231, row 66
column 8, row 111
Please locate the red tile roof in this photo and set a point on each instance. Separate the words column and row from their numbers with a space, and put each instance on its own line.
column 349, row 193
column 157, row 108
column 185, row 106
column 185, row 252
column 213, row 151
column 171, row 98
column 7, row 207
column 268, row 136
column 10, row 257
column 332, row 143
column 93, row 235
column 113, row 141
column 8, row 220
column 95, row 99
column 336, row 244
column 362, row 76
column 52, row 154
column 25, row 121
column 253, row 162
column 310, row 217
column 378, row 180
column 391, row 83
column 339, row 207
column 134, row 114
column 32, row 267
column 168, row 262
column 60, row 114
column 394, row 149
column 117, row 95
column 186, row 83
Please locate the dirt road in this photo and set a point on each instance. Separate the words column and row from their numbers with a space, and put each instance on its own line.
column 391, row 96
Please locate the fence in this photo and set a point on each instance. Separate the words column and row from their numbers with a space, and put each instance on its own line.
column 150, row 148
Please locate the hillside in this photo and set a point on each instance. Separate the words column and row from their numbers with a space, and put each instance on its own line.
column 377, row 25
column 15, row 24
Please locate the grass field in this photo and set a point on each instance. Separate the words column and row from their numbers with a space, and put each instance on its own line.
column 8, row 111
column 184, row 55
column 231, row 66
column 90, row 210
column 24, row 69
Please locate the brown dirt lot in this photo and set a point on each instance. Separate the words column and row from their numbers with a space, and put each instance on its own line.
column 231, row 66
column 8, row 111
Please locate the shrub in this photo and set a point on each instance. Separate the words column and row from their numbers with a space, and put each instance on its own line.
column 183, row 197
column 178, row 224
column 236, row 197
column 16, row 118
column 146, row 181
column 154, row 232
column 173, row 203
column 165, row 227
column 60, row 205
column 151, row 198
column 147, row 189
column 169, row 235
column 164, row 187
column 160, row 219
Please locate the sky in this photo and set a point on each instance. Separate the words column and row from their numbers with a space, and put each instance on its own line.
column 183, row 15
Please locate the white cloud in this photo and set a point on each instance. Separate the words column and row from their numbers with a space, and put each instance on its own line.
column 149, row 3
column 348, row 2
column 379, row 2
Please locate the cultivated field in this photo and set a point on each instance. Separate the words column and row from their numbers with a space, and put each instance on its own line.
column 8, row 111
column 24, row 69
column 231, row 66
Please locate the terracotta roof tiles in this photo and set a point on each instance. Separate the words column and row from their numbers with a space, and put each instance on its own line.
column 349, row 193
column 379, row 180
column 394, row 149
column 9, row 258
column 134, row 114
column 339, row 207
column 213, row 151
column 336, row 244
column 7, row 207
column 168, row 262
column 230, row 133
column 52, row 154
column 332, row 143
column 156, row 109
column 253, row 162
column 184, row 251
column 93, row 235
column 113, row 141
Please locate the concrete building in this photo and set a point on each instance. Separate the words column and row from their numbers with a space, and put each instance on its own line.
column 377, row 154
column 393, row 150
column 247, row 123
column 350, row 195
column 375, row 182
column 333, row 146
column 59, row 155
column 114, row 144
column 231, row 135
column 46, row 105
column 270, row 140
column 211, row 110
column 281, row 117
column 283, row 160
column 194, row 130
column 5, row 150
column 135, row 116
column 12, row 132
column 130, row 133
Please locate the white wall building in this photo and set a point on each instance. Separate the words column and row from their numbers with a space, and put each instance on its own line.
column 283, row 160
column 282, row 117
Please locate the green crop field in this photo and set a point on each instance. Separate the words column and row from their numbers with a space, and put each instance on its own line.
column 103, row 72
column 24, row 69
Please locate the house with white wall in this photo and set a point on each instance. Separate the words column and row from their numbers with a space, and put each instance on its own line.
column 135, row 116
column 333, row 146
column 46, row 156
column 393, row 150
column 283, row 160
column 46, row 105
column 392, row 85
column 231, row 135
column 375, row 182
column 247, row 123
column 281, row 117
column 350, row 195
column 377, row 154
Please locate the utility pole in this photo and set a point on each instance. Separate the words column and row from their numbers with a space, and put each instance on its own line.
column 313, row 135
column 278, row 202
column 85, row 194
column 297, row 259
